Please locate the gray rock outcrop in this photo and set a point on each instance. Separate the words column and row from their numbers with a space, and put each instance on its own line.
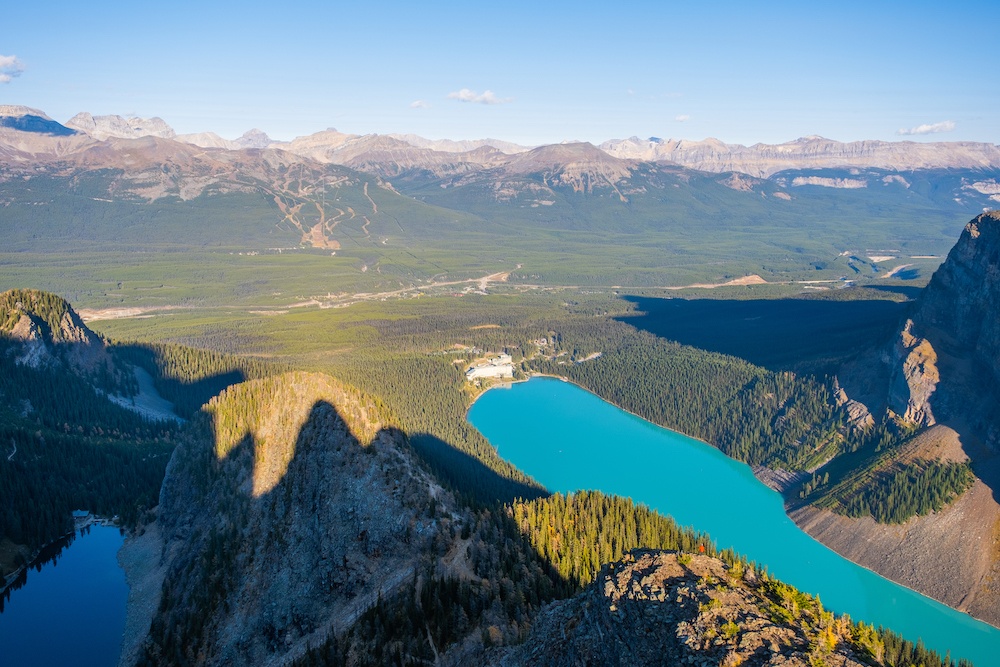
column 105, row 127
column 285, row 515
column 662, row 608
column 763, row 160
column 946, row 359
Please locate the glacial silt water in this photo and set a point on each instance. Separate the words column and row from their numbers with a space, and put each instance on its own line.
column 570, row 440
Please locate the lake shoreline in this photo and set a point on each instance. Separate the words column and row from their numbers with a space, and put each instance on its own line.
column 785, row 504
column 139, row 558
column 38, row 556
column 72, row 608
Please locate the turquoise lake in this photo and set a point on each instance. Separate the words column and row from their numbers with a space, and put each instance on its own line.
column 72, row 611
column 570, row 440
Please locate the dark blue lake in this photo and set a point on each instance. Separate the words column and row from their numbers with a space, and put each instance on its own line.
column 72, row 612
column 570, row 440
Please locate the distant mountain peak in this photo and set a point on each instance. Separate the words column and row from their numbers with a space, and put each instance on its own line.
column 810, row 152
column 132, row 127
column 567, row 152
column 581, row 166
column 26, row 119
column 254, row 138
column 16, row 110
column 460, row 146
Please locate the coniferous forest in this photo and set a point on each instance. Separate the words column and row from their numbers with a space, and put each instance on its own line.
column 529, row 551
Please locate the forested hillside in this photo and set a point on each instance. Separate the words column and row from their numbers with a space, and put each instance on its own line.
column 551, row 549
column 65, row 444
column 466, row 576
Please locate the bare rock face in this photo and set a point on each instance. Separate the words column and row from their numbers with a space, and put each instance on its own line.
column 962, row 300
column 946, row 360
column 664, row 608
column 286, row 514
column 858, row 414
column 34, row 353
column 914, row 379
column 763, row 160
column 47, row 331
column 944, row 363
column 105, row 127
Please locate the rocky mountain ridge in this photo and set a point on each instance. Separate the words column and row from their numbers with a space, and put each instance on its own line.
column 309, row 510
column 666, row 608
column 121, row 127
column 764, row 160
column 46, row 331
column 939, row 376
column 711, row 155
column 476, row 180
column 250, row 139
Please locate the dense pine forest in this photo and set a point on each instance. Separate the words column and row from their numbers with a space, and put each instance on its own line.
column 524, row 547
column 190, row 377
column 550, row 549
column 64, row 445
column 779, row 419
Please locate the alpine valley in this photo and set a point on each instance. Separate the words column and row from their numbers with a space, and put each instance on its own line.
column 253, row 356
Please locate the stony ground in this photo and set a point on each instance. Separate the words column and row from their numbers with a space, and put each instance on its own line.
column 140, row 558
column 663, row 608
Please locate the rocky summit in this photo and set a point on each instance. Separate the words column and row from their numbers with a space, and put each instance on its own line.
column 948, row 353
column 940, row 375
column 668, row 608
column 286, row 513
column 41, row 329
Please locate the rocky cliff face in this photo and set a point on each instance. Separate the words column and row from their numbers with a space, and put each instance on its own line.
column 962, row 300
column 763, row 160
column 661, row 608
column 942, row 370
column 46, row 331
column 946, row 360
column 285, row 514
column 915, row 377
column 105, row 127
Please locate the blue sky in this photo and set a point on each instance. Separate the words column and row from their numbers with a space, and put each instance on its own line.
column 532, row 73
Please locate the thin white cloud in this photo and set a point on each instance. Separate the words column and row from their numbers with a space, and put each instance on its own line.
column 10, row 67
column 419, row 104
column 487, row 97
column 928, row 128
column 682, row 118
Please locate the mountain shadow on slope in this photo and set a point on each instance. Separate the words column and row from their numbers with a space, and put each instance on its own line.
column 944, row 363
column 189, row 377
column 811, row 335
column 284, row 518
column 36, row 125
column 468, row 476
